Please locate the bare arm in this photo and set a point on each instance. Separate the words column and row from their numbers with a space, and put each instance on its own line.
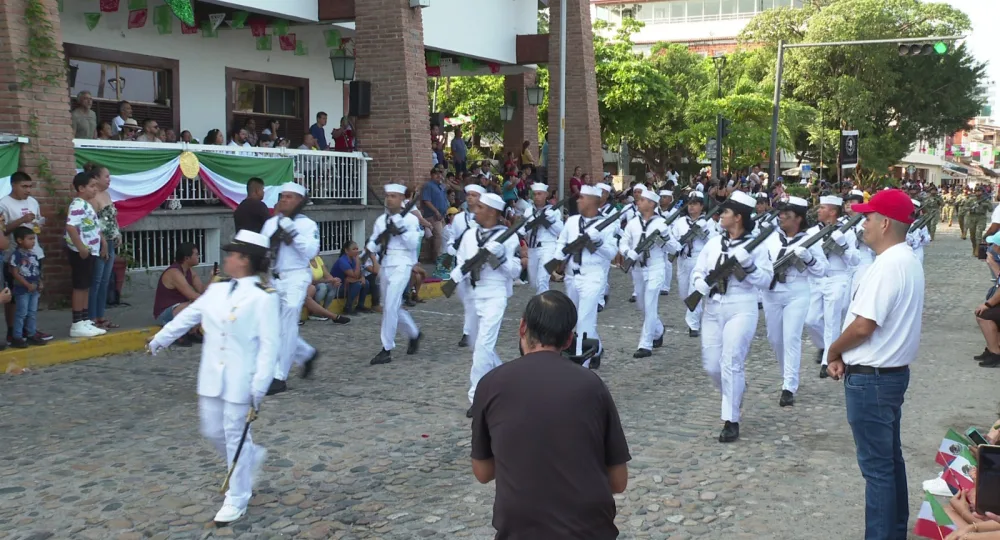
column 485, row 470
column 74, row 236
column 617, row 477
column 198, row 285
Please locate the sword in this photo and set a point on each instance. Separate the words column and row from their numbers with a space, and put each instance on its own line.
column 251, row 416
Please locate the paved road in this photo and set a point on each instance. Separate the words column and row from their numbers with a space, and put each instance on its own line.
column 109, row 448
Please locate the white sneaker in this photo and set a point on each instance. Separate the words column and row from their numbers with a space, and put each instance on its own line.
column 229, row 514
column 81, row 329
column 95, row 327
column 318, row 318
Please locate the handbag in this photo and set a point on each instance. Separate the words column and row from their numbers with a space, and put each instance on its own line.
column 982, row 251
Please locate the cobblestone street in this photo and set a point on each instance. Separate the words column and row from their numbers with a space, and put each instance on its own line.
column 109, row 448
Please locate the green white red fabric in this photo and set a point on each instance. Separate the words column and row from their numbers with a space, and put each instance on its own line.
column 958, row 475
column 9, row 156
column 141, row 180
column 952, row 445
column 933, row 521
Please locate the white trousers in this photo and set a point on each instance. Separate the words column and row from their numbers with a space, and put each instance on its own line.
column 607, row 288
column 485, row 330
column 785, row 315
column 222, row 424
column 647, row 298
column 684, row 268
column 725, row 341
column 638, row 284
column 585, row 291
column 393, row 282
column 292, row 289
column 537, row 276
column 468, row 307
column 668, row 272
column 828, row 303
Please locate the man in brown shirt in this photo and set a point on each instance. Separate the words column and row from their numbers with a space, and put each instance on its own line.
column 547, row 430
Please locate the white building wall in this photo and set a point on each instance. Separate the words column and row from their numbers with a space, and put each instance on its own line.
column 203, row 62
column 300, row 10
column 483, row 29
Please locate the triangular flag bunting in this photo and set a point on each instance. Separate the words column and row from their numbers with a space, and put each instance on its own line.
column 217, row 19
column 59, row 3
column 951, row 446
column 280, row 27
column 136, row 4
column 264, row 43
column 433, row 58
column 109, row 6
column 468, row 64
column 137, row 18
column 433, row 71
column 184, row 10
column 301, row 49
column 92, row 20
column 185, row 29
column 332, row 38
column 163, row 19
column 239, row 19
column 258, row 27
column 207, row 31
column 933, row 521
column 494, row 67
column 287, row 42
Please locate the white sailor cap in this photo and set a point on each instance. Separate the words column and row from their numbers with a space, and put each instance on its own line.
column 639, row 186
column 603, row 187
column 593, row 191
column 740, row 201
column 666, row 193
column 292, row 187
column 696, row 195
column 831, row 199
column 538, row 186
column 249, row 243
column 796, row 203
column 395, row 188
column 916, row 203
column 761, row 195
column 493, row 201
column 475, row 188
column 856, row 195
column 651, row 195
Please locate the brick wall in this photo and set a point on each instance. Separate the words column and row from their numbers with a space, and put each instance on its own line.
column 389, row 46
column 49, row 105
column 583, row 126
column 524, row 126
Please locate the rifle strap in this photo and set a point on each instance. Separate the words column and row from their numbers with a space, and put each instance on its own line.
column 583, row 226
column 483, row 237
column 785, row 244
column 723, row 285
column 539, row 214
column 642, row 238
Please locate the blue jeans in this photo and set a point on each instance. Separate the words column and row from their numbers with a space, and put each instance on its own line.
column 325, row 293
column 356, row 292
column 99, row 283
column 874, row 410
column 25, row 312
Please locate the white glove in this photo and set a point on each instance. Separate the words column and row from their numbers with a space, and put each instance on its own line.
column 839, row 238
column 256, row 398
column 701, row 286
column 286, row 224
column 154, row 346
column 456, row 275
column 372, row 247
column 451, row 250
column 632, row 254
column 495, row 248
column 742, row 256
column 803, row 254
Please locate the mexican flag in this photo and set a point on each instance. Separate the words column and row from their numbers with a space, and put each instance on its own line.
column 142, row 179
column 9, row 156
column 958, row 475
column 933, row 522
column 952, row 445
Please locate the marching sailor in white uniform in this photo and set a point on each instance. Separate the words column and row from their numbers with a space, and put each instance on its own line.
column 398, row 257
column 866, row 256
column 239, row 317
column 542, row 240
column 690, row 250
column 587, row 272
column 786, row 300
column 606, row 209
column 730, row 317
column 665, row 210
column 762, row 208
column 648, row 267
column 462, row 222
column 490, row 293
column 919, row 238
column 291, row 278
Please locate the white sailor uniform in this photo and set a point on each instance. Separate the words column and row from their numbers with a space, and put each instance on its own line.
column 686, row 260
column 615, row 231
column 541, row 243
column 830, row 294
column 866, row 256
column 917, row 240
column 397, row 264
column 462, row 222
column 667, row 265
column 648, row 271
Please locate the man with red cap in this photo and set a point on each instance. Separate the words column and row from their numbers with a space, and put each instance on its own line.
column 879, row 341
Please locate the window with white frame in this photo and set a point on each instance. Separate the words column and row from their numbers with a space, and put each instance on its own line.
column 156, row 250
column 333, row 235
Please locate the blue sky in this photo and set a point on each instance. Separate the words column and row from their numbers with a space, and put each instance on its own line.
column 984, row 14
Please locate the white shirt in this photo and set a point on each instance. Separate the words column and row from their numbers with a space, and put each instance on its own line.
column 244, row 145
column 634, row 232
column 995, row 218
column 401, row 249
column 304, row 247
column 116, row 125
column 681, row 227
column 498, row 283
column 13, row 209
column 840, row 264
column 241, row 338
column 778, row 241
column 917, row 240
column 542, row 235
column 598, row 259
column 462, row 222
column 891, row 293
column 738, row 291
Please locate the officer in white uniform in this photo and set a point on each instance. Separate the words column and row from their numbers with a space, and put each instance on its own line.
column 292, row 278
column 830, row 295
column 542, row 240
column 689, row 254
column 865, row 254
column 666, row 209
column 730, row 317
column 397, row 263
column 239, row 317
column 606, row 209
column 586, row 275
column 787, row 302
column 495, row 286
column 462, row 222
column 648, row 268
column 919, row 238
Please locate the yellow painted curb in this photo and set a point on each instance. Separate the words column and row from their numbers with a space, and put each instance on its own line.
column 428, row 291
column 73, row 349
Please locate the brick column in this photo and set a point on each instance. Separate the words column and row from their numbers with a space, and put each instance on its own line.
column 389, row 46
column 583, row 126
column 36, row 104
column 524, row 126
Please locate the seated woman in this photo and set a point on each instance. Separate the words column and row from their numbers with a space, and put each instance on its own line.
column 326, row 285
column 320, row 313
column 988, row 318
column 351, row 272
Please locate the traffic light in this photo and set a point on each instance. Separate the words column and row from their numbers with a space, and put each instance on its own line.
column 724, row 126
column 923, row 49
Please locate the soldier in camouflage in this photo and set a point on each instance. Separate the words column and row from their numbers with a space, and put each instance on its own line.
column 932, row 205
column 979, row 207
column 962, row 209
column 948, row 211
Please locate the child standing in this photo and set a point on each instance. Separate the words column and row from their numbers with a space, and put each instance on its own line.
column 85, row 243
column 27, row 274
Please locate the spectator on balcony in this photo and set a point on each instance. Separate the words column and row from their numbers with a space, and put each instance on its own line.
column 187, row 137
column 272, row 128
column 264, row 141
column 239, row 138
column 459, row 151
column 350, row 270
column 124, row 115
column 20, row 209
column 435, row 203
column 526, row 157
column 343, row 137
column 250, row 126
column 150, row 132
column 177, row 288
column 107, row 216
column 309, row 142
column 282, row 142
column 169, row 136
column 215, row 137
column 104, row 131
column 318, row 131
column 84, row 119
column 129, row 130
column 251, row 213
column 85, row 243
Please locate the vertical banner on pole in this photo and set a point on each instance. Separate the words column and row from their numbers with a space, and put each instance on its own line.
column 848, row 149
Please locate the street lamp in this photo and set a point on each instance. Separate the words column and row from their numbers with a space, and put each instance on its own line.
column 535, row 95
column 720, row 123
column 720, row 64
column 507, row 109
column 343, row 65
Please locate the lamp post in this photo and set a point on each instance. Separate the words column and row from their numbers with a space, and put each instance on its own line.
column 720, row 64
column 342, row 64
column 535, row 95
column 507, row 109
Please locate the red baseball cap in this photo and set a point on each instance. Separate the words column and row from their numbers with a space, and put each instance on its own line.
column 894, row 204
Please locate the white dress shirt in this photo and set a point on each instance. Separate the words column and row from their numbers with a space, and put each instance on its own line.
column 462, row 222
column 694, row 247
column 402, row 249
column 779, row 245
column 543, row 235
column 737, row 291
column 636, row 230
column 304, row 246
column 493, row 283
column 602, row 256
column 840, row 264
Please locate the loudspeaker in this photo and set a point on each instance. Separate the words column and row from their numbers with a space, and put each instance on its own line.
column 360, row 99
column 437, row 119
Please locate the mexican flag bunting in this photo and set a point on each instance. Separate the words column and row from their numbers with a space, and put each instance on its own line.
column 264, row 43
column 933, row 521
column 59, row 4
column 183, row 9
column 952, row 445
column 301, row 49
column 280, row 27
column 109, row 6
column 332, row 38
column 208, row 31
column 137, row 18
column 468, row 64
column 92, row 19
column 217, row 19
column 239, row 19
column 185, row 29
column 137, row 4
column 494, row 67
column 163, row 19
column 9, row 156
column 287, row 42
column 433, row 71
column 433, row 58
column 258, row 27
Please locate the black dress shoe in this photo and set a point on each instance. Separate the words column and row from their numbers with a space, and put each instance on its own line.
column 631, row 299
column 664, row 293
column 277, row 386
column 658, row 342
column 819, row 356
column 600, row 308
column 383, row 357
column 196, row 337
column 787, row 399
column 468, row 412
column 760, row 306
column 307, row 368
column 464, row 342
column 730, row 432
column 823, row 373
column 341, row 320
column 991, row 360
column 595, row 362
column 983, row 356
column 414, row 344
column 642, row 353
column 693, row 333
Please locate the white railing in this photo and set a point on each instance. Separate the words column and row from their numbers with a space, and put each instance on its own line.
column 156, row 250
column 332, row 177
column 333, row 235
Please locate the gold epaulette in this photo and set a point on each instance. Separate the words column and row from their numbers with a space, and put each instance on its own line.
column 265, row 288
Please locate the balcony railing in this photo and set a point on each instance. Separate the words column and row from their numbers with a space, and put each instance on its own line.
column 330, row 177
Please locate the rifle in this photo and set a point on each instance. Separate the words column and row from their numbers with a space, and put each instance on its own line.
column 583, row 241
column 919, row 223
column 280, row 235
column 541, row 220
column 783, row 264
column 657, row 239
column 766, row 216
column 472, row 266
column 390, row 230
column 696, row 231
column 832, row 247
column 727, row 268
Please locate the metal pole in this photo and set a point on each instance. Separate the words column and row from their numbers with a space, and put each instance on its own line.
column 822, row 140
column 717, row 169
column 562, row 100
column 773, row 161
column 871, row 42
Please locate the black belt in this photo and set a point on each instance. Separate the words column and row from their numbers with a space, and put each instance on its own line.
column 868, row 370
